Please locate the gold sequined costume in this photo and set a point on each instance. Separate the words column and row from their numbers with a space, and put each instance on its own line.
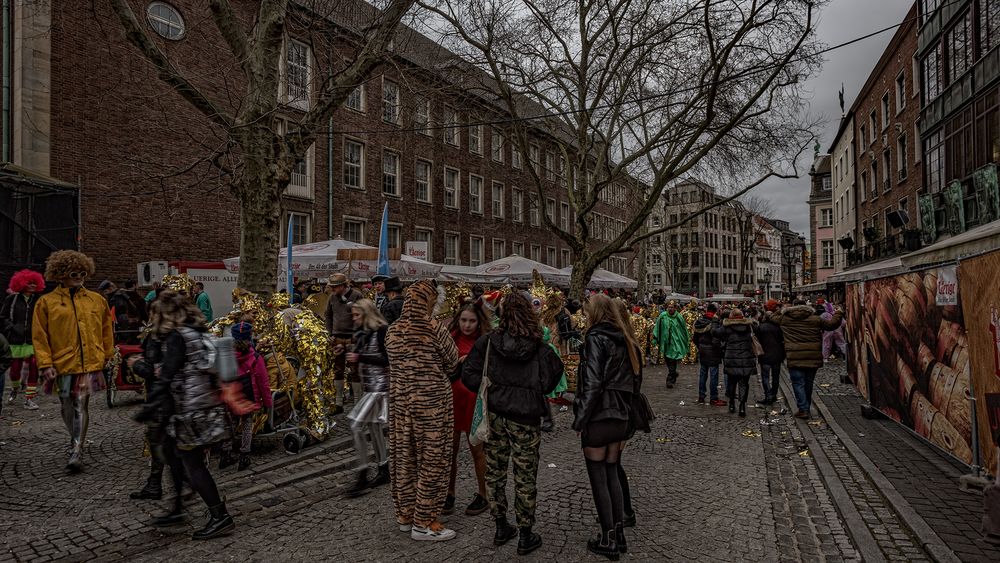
column 690, row 314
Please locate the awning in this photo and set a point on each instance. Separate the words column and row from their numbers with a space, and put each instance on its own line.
column 813, row 287
column 881, row 269
column 605, row 279
column 970, row 243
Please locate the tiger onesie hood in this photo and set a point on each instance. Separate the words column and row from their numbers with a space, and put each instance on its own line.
column 422, row 355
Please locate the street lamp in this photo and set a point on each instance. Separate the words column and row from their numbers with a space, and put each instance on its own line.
column 767, row 285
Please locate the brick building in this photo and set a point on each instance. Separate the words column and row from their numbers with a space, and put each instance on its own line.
column 821, row 219
column 88, row 110
column 960, row 115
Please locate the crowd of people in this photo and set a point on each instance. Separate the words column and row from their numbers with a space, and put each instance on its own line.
column 421, row 366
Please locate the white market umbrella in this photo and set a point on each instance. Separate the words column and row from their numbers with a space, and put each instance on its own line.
column 319, row 259
column 602, row 279
column 517, row 270
column 468, row 274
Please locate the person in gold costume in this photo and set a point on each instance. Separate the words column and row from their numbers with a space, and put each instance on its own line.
column 690, row 314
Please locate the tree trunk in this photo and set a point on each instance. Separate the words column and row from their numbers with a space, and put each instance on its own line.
column 582, row 270
column 259, row 222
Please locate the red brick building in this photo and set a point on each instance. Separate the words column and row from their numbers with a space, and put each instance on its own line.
column 887, row 141
column 88, row 110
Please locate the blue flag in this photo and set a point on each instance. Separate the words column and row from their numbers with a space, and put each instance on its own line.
column 383, row 244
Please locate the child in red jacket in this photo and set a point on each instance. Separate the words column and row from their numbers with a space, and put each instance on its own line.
column 255, row 387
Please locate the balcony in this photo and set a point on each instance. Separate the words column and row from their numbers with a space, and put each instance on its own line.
column 885, row 247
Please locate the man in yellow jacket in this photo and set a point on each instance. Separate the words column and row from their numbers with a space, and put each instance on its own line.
column 73, row 337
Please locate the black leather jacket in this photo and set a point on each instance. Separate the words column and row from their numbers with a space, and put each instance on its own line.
column 709, row 346
column 605, row 381
column 15, row 317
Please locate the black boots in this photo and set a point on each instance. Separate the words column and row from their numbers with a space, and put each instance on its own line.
column 630, row 520
column 219, row 523
column 244, row 462
column 620, row 537
column 505, row 532
column 604, row 544
column 360, row 486
column 153, row 490
column 381, row 478
column 226, row 459
column 744, row 391
column 528, row 542
column 175, row 516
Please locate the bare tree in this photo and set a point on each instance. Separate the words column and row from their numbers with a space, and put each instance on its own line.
column 255, row 150
column 748, row 214
column 640, row 93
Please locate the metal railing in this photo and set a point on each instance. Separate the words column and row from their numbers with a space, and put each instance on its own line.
column 884, row 247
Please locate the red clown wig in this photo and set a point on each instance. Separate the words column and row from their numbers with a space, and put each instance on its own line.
column 21, row 280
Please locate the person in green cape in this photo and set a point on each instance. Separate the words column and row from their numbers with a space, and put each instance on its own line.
column 670, row 335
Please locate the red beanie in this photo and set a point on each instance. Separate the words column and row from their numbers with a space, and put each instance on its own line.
column 772, row 305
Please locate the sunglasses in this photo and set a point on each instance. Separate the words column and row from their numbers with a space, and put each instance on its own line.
column 76, row 275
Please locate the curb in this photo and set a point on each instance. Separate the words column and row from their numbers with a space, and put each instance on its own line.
column 931, row 542
column 865, row 542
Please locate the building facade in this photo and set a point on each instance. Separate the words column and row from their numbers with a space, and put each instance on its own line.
column 768, row 273
column 141, row 155
column 821, row 220
column 959, row 62
column 845, row 226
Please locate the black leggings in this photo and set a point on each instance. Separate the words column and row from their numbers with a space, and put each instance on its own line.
column 605, row 484
column 198, row 475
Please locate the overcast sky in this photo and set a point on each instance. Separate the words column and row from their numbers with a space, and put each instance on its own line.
column 841, row 20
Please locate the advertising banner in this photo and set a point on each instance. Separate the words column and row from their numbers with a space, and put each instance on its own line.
column 981, row 308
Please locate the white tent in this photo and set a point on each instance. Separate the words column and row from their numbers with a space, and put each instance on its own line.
column 452, row 273
column 319, row 259
column 678, row 297
column 602, row 279
column 517, row 270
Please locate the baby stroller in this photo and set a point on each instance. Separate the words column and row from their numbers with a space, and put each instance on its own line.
column 284, row 420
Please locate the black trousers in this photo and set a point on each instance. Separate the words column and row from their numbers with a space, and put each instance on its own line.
column 672, row 370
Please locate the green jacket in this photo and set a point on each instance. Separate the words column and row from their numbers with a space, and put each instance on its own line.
column 205, row 305
column 671, row 335
column 803, row 332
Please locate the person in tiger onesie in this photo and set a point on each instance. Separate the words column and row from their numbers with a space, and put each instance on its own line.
column 421, row 354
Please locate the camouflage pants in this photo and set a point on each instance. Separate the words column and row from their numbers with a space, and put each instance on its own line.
column 511, row 441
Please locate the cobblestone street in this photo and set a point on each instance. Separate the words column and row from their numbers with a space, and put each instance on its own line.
column 707, row 486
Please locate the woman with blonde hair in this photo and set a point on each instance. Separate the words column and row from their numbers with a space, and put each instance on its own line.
column 609, row 373
column 371, row 411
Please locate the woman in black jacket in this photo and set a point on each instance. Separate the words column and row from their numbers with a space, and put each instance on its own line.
column 772, row 341
column 521, row 370
column 610, row 361
column 740, row 362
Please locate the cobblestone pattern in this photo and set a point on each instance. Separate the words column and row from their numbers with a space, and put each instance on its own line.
column 703, row 491
column 925, row 477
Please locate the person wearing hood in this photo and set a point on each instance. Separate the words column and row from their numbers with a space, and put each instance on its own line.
column 609, row 374
column 670, row 335
column 803, row 330
column 521, row 370
column 833, row 337
column 772, row 342
column 709, row 355
column 15, row 323
column 736, row 334
column 422, row 355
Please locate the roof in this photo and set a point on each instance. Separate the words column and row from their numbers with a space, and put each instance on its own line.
column 845, row 121
column 10, row 172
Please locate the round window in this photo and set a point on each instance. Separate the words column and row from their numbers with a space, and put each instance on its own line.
column 165, row 20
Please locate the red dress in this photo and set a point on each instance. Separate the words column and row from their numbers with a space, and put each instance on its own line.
column 463, row 400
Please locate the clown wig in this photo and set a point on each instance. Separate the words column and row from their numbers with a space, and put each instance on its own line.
column 62, row 263
column 22, row 279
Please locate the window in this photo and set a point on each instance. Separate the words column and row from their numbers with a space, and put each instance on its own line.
column 425, row 235
column 496, row 146
column 451, row 135
column 390, row 173
column 165, row 20
column 451, row 188
column 959, row 47
column 517, row 248
column 476, row 139
column 901, row 165
column 825, row 183
column 564, row 216
column 885, row 110
column 904, row 205
column 550, row 210
column 886, row 170
column 550, row 166
column 874, row 179
column 497, row 190
column 863, row 135
column 354, row 165
column 393, row 231
column 826, row 217
column 931, row 73
column 300, row 183
column 934, row 162
column 517, row 205
column 566, row 258
column 536, row 252
column 864, row 185
column 534, row 158
column 451, row 248
column 422, row 178
column 989, row 26
column 533, row 217
column 475, row 251
column 297, row 75
column 515, row 157
column 900, row 91
column 421, row 115
column 550, row 256
column 354, row 230
column 475, row 194
column 356, row 100
column 499, row 249
column 390, row 101
column 873, row 126
column 301, row 231
column 927, row 8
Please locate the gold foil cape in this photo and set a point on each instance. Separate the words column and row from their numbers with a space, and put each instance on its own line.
column 690, row 314
column 454, row 296
column 180, row 283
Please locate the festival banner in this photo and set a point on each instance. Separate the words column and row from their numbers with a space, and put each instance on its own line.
column 981, row 307
column 857, row 370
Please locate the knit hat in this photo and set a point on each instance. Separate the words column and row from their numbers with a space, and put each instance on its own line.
column 104, row 285
column 242, row 331
column 735, row 314
column 772, row 305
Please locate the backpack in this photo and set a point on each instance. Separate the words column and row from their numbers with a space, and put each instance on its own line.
column 218, row 357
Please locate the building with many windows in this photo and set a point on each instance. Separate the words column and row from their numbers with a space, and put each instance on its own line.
column 845, row 192
column 768, row 273
column 86, row 108
column 821, row 219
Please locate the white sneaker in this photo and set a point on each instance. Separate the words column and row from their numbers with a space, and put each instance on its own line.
column 435, row 532
column 30, row 405
column 405, row 527
column 13, row 395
